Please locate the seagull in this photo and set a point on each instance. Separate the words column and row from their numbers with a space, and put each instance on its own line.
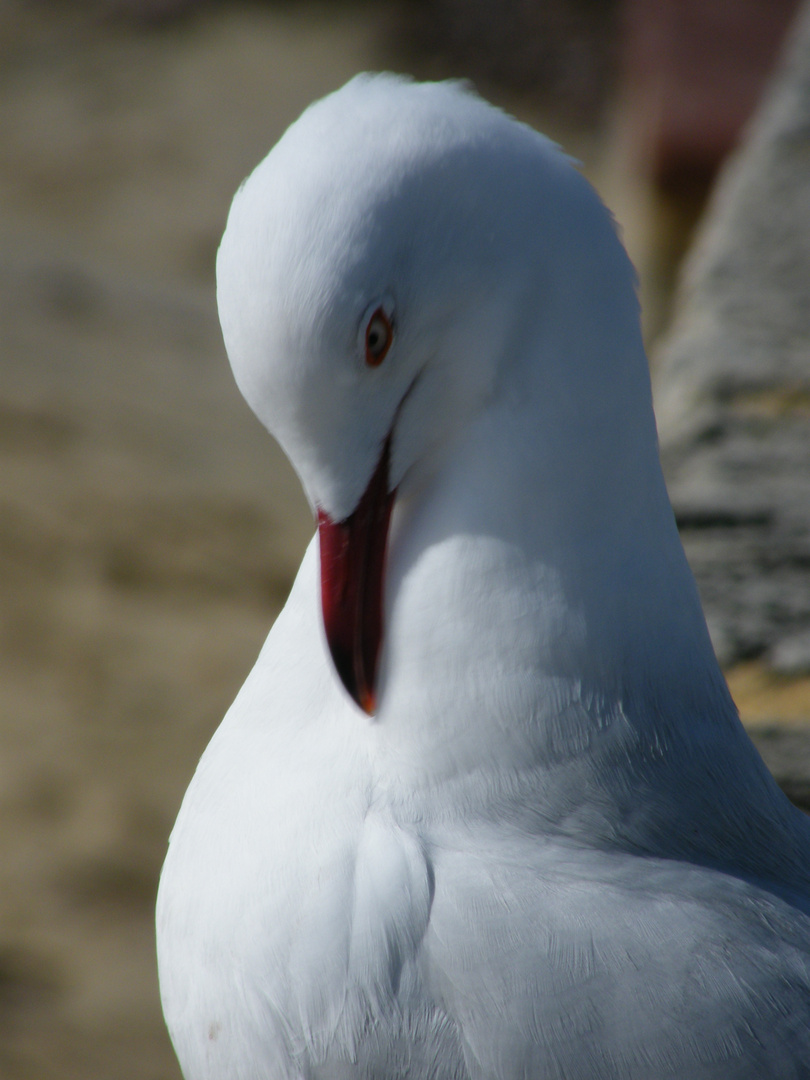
column 484, row 808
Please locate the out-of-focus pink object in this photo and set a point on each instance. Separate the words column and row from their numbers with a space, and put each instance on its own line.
column 693, row 71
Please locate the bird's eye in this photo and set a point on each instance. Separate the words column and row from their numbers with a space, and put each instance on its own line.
column 379, row 335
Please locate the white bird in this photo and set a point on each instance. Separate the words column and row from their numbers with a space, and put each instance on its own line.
column 484, row 809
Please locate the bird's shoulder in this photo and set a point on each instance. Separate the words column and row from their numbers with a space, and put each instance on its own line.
column 613, row 965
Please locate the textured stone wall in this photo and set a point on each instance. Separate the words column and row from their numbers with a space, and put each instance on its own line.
column 732, row 386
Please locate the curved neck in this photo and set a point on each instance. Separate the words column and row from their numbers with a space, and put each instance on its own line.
column 546, row 654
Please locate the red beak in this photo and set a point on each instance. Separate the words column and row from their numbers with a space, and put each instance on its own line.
column 352, row 569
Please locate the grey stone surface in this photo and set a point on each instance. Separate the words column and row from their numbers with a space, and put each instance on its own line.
column 732, row 386
column 786, row 752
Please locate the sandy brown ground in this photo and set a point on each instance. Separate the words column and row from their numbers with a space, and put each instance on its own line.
column 149, row 530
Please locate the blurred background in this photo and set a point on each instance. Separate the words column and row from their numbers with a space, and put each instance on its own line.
column 149, row 530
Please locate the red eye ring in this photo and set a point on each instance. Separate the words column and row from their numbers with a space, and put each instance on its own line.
column 378, row 338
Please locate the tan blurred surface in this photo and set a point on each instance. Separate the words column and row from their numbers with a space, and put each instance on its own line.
column 149, row 530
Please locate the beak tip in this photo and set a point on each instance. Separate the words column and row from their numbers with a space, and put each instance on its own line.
column 367, row 700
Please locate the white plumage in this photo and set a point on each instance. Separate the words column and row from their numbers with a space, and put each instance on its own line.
column 553, row 851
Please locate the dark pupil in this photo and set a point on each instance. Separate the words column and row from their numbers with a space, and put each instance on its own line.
column 375, row 338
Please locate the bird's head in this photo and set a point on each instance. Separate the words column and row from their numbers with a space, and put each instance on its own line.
column 379, row 271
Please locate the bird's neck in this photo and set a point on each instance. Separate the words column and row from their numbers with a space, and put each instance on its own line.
column 550, row 659
column 501, row 569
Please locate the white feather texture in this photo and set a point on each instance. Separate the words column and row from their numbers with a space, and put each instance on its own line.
column 553, row 852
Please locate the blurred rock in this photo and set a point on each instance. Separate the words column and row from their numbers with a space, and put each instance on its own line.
column 732, row 385
column 791, row 655
column 786, row 752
